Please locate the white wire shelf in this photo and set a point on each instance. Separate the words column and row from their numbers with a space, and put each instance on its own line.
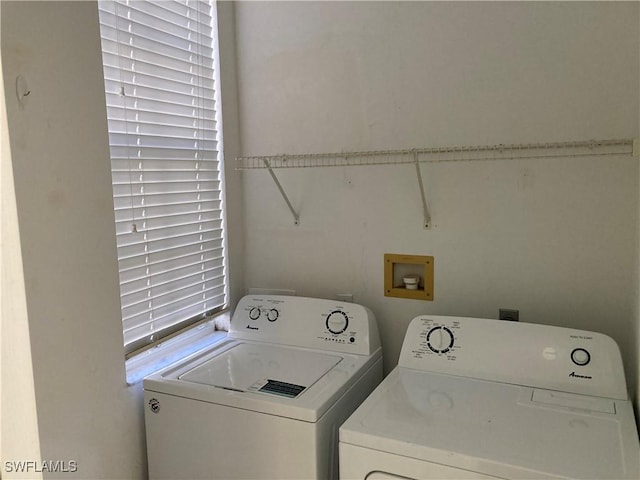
column 588, row 148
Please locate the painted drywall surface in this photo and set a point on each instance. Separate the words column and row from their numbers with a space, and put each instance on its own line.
column 232, row 177
column 19, row 438
column 635, row 352
column 553, row 238
column 636, row 349
column 62, row 178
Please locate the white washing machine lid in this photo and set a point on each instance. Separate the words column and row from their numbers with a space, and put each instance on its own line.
column 235, row 373
column 268, row 369
column 498, row 429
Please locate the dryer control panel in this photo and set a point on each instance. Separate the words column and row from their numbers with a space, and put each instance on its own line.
column 306, row 322
column 527, row 354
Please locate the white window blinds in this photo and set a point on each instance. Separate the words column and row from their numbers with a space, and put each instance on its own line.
column 159, row 74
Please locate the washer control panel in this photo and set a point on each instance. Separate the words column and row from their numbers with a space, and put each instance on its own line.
column 526, row 354
column 306, row 322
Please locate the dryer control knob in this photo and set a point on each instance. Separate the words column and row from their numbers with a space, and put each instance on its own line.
column 272, row 315
column 440, row 339
column 254, row 313
column 337, row 322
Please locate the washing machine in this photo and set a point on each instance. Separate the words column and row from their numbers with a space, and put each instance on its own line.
column 267, row 402
column 483, row 399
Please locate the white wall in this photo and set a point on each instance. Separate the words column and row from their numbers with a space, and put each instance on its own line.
column 636, row 349
column 18, row 421
column 60, row 158
column 556, row 239
column 234, row 208
column 63, row 379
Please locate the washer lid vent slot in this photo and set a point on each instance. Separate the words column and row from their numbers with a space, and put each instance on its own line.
column 282, row 388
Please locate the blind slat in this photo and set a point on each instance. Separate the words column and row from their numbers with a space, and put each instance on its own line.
column 156, row 314
column 132, row 271
column 125, row 216
column 169, row 264
column 187, row 284
column 160, row 90
column 149, row 316
column 124, row 202
column 142, row 327
column 129, row 245
column 125, row 164
column 156, row 153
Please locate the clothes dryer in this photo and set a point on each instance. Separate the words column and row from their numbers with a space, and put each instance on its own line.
column 267, row 402
column 478, row 399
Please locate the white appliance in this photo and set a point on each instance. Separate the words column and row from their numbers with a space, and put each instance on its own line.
column 476, row 399
column 267, row 402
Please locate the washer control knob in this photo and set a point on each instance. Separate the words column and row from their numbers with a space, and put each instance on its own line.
column 337, row 322
column 440, row 339
column 580, row 357
column 272, row 315
column 254, row 313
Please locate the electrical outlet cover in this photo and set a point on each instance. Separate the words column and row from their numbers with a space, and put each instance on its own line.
column 509, row 314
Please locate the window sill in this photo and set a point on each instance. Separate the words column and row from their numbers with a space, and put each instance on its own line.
column 174, row 349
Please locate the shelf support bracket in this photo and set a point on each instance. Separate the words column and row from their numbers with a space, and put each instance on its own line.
column 425, row 209
column 296, row 217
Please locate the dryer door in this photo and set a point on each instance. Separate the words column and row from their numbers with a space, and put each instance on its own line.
column 367, row 464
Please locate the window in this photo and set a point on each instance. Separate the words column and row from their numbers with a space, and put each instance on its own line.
column 160, row 84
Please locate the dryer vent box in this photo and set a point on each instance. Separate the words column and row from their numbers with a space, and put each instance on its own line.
column 408, row 276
